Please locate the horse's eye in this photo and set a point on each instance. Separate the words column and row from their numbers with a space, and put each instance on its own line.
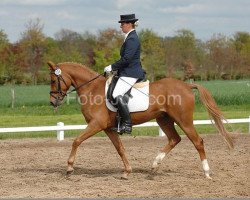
column 52, row 81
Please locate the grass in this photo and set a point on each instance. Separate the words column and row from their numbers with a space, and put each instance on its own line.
column 229, row 92
column 44, row 116
column 32, row 109
column 142, row 131
column 225, row 93
column 71, row 114
column 24, row 95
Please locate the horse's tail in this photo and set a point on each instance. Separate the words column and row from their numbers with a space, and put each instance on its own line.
column 214, row 112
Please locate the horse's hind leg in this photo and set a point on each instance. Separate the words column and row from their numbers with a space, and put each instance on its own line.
column 167, row 125
column 113, row 136
column 191, row 133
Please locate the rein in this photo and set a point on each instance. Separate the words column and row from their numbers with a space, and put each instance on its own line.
column 58, row 72
column 83, row 84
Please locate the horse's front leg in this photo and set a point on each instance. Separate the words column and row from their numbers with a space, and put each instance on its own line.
column 114, row 137
column 91, row 129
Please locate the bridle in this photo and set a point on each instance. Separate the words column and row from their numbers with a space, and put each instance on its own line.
column 62, row 94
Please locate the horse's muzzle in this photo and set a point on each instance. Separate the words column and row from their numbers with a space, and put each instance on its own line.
column 52, row 104
column 55, row 103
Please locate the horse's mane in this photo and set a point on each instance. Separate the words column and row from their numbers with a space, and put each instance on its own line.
column 80, row 65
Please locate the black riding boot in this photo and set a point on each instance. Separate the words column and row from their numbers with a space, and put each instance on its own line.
column 126, row 125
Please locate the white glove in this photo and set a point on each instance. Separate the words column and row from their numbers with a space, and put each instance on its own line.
column 108, row 69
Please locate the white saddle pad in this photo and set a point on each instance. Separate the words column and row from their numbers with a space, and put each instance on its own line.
column 139, row 100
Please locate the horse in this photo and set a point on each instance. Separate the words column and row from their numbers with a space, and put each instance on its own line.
column 90, row 87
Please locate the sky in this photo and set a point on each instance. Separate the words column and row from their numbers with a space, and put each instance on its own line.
column 203, row 17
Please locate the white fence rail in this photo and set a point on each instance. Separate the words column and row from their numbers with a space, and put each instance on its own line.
column 60, row 128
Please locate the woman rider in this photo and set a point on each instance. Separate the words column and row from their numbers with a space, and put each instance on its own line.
column 129, row 70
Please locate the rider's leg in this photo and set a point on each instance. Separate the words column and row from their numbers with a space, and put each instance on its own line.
column 126, row 125
column 122, row 86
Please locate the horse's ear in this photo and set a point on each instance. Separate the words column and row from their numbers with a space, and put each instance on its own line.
column 52, row 66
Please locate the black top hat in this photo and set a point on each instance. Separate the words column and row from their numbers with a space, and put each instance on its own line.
column 128, row 18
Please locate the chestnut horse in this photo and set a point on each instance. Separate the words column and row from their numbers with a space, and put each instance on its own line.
column 90, row 87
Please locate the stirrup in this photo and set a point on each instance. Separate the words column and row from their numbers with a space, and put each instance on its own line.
column 125, row 128
column 118, row 130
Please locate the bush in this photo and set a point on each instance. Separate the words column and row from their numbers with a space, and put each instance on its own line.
column 43, row 78
column 25, row 79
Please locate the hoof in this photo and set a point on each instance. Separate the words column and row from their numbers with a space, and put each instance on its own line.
column 69, row 172
column 124, row 176
column 151, row 176
column 154, row 169
column 208, row 177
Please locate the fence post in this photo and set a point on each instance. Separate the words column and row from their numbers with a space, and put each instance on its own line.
column 161, row 133
column 60, row 133
column 12, row 97
column 249, row 125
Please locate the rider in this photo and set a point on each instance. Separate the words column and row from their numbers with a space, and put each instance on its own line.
column 129, row 69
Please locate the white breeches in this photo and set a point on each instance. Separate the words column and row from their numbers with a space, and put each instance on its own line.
column 123, row 85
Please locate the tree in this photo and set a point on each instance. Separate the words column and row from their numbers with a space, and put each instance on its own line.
column 186, row 42
column 179, row 56
column 188, row 70
column 181, row 49
column 11, row 61
column 68, row 43
column 222, row 56
column 33, row 41
column 87, row 48
column 3, row 39
column 172, row 56
column 4, row 45
column 152, row 54
column 107, row 49
column 242, row 45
